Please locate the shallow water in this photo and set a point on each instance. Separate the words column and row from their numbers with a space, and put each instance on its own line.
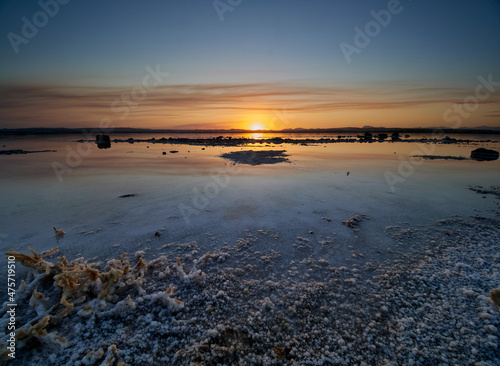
column 195, row 192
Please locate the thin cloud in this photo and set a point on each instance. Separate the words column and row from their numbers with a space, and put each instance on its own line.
column 84, row 106
column 492, row 115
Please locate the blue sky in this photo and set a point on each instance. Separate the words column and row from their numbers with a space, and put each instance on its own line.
column 103, row 47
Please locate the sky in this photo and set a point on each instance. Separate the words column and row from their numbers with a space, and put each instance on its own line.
column 270, row 64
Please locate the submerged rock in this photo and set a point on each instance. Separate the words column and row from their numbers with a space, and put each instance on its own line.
column 128, row 195
column 437, row 157
column 251, row 157
column 482, row 154
column 22, row 152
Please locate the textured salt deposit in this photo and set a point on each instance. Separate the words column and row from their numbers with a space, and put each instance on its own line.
column 428, row 305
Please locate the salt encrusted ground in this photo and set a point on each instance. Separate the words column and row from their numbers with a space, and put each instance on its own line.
column 428, row 305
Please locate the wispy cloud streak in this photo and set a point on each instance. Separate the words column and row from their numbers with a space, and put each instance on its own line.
column 22, row 106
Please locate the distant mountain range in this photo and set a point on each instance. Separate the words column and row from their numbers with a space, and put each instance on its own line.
column 126, row 130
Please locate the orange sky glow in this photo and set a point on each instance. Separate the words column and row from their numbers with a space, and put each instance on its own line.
column 248, row 106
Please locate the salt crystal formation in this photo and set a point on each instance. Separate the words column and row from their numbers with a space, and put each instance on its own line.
column 94, row 293
column 195, row 275
column 252, row 302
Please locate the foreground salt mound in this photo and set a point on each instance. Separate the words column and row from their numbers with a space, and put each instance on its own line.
column 430, row 305
column 78, row 286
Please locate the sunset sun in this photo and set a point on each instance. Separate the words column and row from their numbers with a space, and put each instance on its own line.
column 256, row 127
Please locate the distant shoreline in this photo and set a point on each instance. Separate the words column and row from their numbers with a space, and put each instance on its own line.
column 343, row 130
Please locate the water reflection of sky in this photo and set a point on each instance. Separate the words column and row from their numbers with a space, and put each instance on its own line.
column 34, row 199
column 146, row 157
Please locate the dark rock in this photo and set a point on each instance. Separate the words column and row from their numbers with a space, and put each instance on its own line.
column 174, row 152
column 128, row 195
column 482, row 154
column 368, row 136
column 157, row 234
column 102, row 138
column 103, row 141
column 164, row 153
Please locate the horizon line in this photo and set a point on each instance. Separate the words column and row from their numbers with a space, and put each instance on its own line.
column 61, row 130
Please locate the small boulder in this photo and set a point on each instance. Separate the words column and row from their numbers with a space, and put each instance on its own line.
column 482, row 154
